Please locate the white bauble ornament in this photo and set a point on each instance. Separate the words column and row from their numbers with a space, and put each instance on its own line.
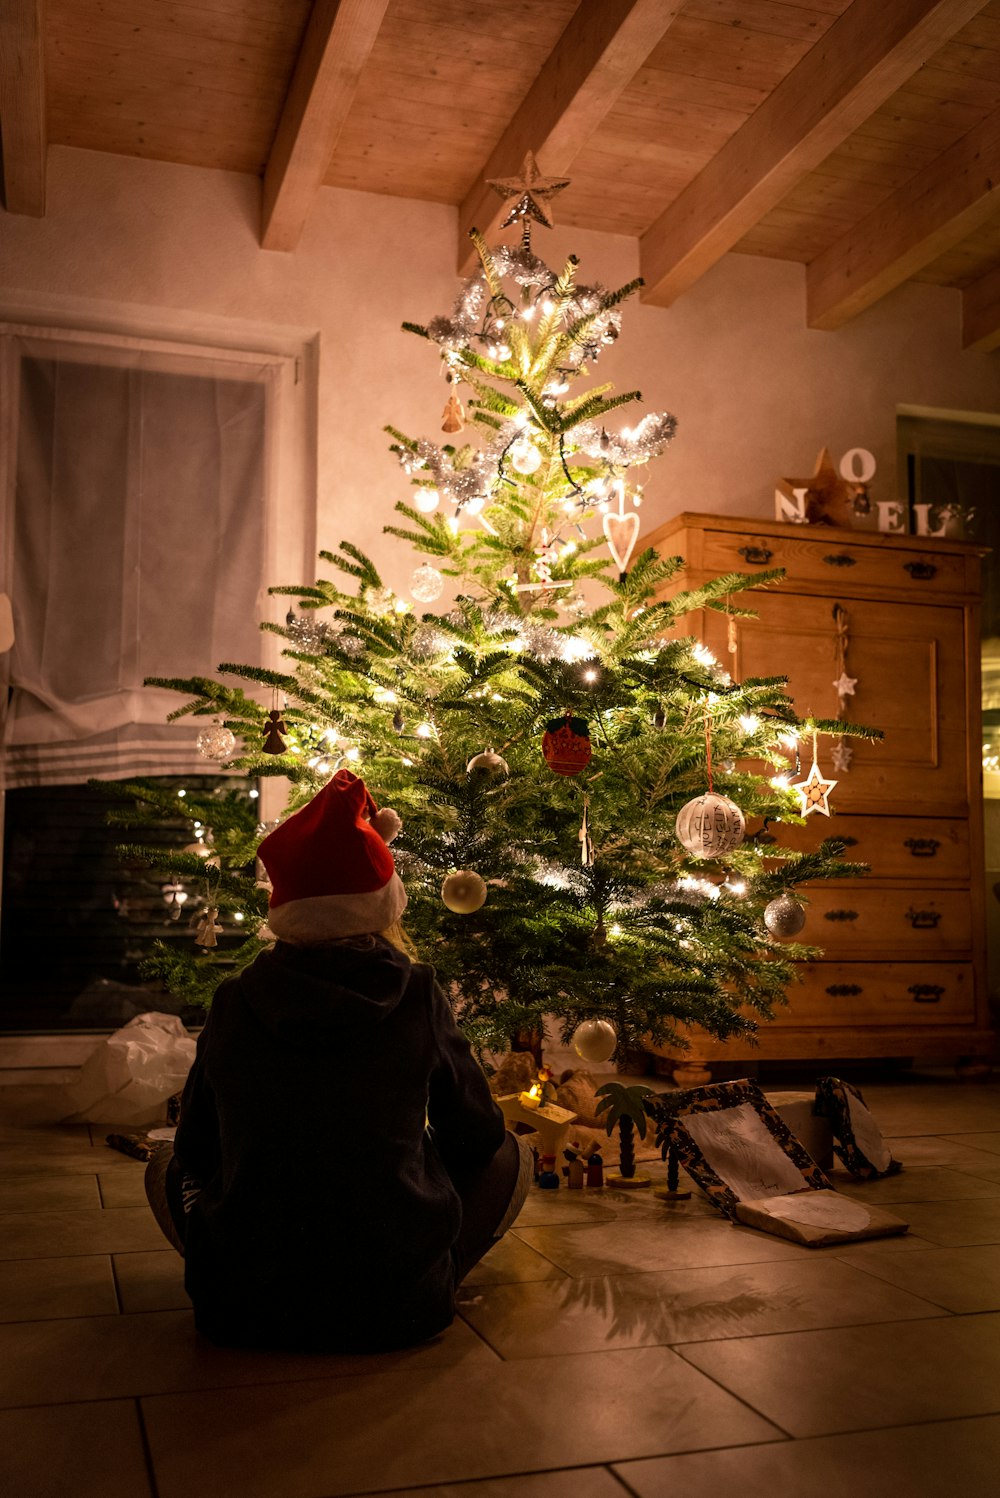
column 216, row 742
column 784, row 916
column 595, row 1040
column 464, row 892
column 710, row 825
column 525, row 457
column 426, row 584
column 487, row 763
column 426, row 500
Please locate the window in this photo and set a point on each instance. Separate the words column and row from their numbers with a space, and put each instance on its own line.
column 139, row 505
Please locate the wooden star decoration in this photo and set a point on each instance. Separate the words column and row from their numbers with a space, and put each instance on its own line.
column 842, row 754
column 532, row 192
column 829, row 498
column 845, row 685
column 814, row 792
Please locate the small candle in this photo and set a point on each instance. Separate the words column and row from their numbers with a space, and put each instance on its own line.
column 533, row 1097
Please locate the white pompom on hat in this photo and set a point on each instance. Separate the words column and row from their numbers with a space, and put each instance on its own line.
column 330, row 868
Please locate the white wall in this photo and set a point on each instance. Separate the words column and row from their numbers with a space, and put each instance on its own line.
column 170, row 250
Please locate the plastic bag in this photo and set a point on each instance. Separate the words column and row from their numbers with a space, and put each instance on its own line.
column 130, row 1075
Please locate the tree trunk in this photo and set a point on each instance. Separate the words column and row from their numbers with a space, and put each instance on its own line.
column 626, row 1149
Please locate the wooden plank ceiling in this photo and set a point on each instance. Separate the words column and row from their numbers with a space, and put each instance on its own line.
column 861, row 139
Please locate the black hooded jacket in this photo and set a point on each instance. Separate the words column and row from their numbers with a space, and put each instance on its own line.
column 331, row 1112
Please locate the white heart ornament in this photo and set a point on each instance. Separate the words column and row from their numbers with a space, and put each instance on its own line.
column 621, row 532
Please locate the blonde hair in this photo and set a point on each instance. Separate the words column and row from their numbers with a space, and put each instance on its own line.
column 397, row 937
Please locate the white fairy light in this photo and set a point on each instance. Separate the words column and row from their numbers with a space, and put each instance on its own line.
column 703, row 655
column 576, row 648
column 749, row 722
column 425, row 731
column 590, row 675
column 253, row 794
column 182, row 794
column 475, row 504
column 453, row 524
column 427, row 500
column 380, row 694
column 353, row 754
column 790, row 740
column 238, row 915
column 781, row 782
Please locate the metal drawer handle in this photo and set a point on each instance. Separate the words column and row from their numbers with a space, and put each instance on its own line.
column 844, row 990
column 757, row 556
column 923, row 920
column 926, row 993
column 841, row 915
column 922, row 847
column 841, row 559
column 920, row 571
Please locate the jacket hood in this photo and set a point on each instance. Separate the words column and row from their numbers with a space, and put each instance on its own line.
column 305, row 991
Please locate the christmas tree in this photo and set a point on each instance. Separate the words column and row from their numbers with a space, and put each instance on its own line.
column 591, row 805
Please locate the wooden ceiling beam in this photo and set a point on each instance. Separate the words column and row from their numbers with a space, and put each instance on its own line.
column 23, row 135
column 597, row 56
column 926, row 217
column 337, row 43
column 981, row 313
column 869, row 52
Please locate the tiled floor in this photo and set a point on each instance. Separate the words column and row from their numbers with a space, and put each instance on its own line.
column 611, row 1345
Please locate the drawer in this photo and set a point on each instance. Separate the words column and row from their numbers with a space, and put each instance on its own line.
column 836, row 564
column 832, row 994
column 864, row 921
column 931, row 849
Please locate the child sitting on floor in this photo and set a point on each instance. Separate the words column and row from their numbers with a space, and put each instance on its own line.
column 339, row 1165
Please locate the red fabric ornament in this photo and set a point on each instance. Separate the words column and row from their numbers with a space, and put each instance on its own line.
column 566, row 745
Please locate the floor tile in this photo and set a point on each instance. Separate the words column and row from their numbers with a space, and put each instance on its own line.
column 21, row 1158
column 43, row 1192
column 989, row 1142
column 962, row 1280
column 151, row 1281
column 641, row 1310
column 927, row 1461
column 319, row 1438
column 938, row 1149
column 652, row 1242
column 922, row 1184
column 83, row 1450
column 510, row 1262
column 40, row 1289
column 956, row 1223
column 563, row 1205
column 863, row 1377
column 49, row 1362
column 26, row 1235
column 577, row 1482
column 123, row 1188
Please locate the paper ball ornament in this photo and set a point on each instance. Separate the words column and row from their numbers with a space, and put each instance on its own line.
column 566, row 745
column 464, row 892
column 487, row 763
column 710, row 825
column 784, row 916
column 595, row 1040
column 216, row 742
column 525, row 457
column 426, row 584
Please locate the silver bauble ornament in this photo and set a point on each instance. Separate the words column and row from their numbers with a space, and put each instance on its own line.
column 525, row 457
column 426, row 584
column 710, row 825
column 216, row 742
column 487, row 763
column 464, row 892
column 784, row 916
column 595, row 1040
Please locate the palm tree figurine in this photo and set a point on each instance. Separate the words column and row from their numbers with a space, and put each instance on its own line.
column 624, row 1106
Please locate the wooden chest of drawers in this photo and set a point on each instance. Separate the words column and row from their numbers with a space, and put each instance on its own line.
column 903, row 972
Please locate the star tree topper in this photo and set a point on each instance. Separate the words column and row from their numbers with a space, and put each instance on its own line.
column 532, row 192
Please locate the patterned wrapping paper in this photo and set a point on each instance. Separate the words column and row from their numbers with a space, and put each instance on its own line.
column 833, row 1101
column 668, row 1111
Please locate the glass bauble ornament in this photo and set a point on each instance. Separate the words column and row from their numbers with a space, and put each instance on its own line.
column 525, row 457
column 710, row 825
column 216, row 742
column 487, row 763
column 464, row 892
column 566, row 745
column 595, row 1040
column 784, row 916
column 426, row 584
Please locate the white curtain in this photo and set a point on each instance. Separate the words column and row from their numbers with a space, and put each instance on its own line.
column 137, row 550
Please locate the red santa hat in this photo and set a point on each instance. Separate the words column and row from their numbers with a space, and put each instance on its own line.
column 330, row 868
